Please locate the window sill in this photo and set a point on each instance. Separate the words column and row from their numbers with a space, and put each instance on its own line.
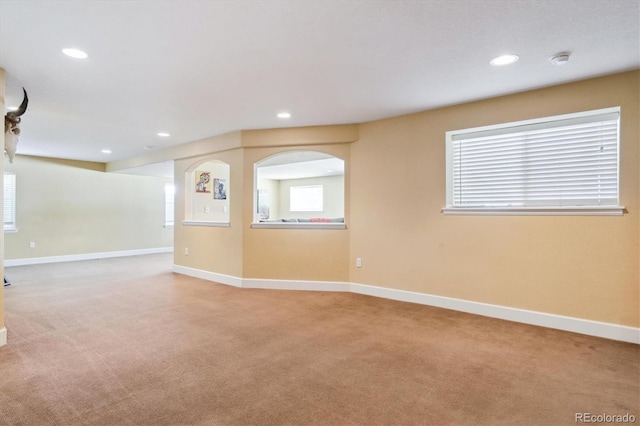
column 297, row 225
column 536, row 211
column 206, row 223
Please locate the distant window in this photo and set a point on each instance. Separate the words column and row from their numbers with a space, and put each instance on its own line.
column 556, row 165
column 10, row 202
column 169, row 204
column 306, row 198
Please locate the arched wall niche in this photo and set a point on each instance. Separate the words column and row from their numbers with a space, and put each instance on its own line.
column 299, row 188
column 207, row 195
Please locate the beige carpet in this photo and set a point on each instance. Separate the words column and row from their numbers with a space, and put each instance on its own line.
column 127, row 342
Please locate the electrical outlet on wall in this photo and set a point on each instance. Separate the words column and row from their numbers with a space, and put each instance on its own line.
column 32, row 244
column 358, row 262
column 186, row 251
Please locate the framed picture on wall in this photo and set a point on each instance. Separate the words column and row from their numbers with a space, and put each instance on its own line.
column 203, row 182
column 219, row 189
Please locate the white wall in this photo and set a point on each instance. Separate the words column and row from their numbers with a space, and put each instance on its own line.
column 72, row 208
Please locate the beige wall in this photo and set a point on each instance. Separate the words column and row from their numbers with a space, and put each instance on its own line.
column 72, row 207
column 241, row 251
column 294, row 254
column 214, row 249
column 585, row 267
column 579, row 266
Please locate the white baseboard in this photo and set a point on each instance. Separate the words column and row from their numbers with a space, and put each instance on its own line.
column 209, row 276
column 3, row 336
column 295, row 285
column 559, row 322
column 261, row 283
column 85, row 256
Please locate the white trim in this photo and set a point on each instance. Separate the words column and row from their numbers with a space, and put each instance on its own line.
column 610, row 112
column 295, row 285
column 3, row 336
column 209, row 276
column 536, row 211
column 206, row 223
column 85, row 256
column 298, row 225
column 610, row 115
column 542, row 319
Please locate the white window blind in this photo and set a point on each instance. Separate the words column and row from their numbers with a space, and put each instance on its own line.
column 566, row 161
column 9, row 201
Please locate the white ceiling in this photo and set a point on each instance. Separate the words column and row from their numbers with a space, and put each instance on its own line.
column 201, row 68
column 300, row 169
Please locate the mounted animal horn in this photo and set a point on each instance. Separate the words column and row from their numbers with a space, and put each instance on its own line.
column 12, row 127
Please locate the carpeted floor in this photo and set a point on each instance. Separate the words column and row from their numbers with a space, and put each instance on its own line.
column 126, row 342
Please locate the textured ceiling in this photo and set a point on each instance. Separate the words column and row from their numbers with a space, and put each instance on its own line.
column 201, row 68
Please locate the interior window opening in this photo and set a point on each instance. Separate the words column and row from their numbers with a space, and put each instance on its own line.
column 299, row 187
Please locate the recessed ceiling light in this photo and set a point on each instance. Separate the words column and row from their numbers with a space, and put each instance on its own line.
column 106, row 151
column 504, row 60
column 75, row 53
column 284, row 115
column 163, row 134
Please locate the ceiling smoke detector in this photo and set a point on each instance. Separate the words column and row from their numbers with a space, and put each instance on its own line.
column 559, row 59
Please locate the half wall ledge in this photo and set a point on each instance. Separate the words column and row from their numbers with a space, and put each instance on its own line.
column 297, row 225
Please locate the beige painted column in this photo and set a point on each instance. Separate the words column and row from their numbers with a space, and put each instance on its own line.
column 3, row 330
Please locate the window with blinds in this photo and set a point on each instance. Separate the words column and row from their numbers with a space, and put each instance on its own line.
column 9, row 201
column 557, row 164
